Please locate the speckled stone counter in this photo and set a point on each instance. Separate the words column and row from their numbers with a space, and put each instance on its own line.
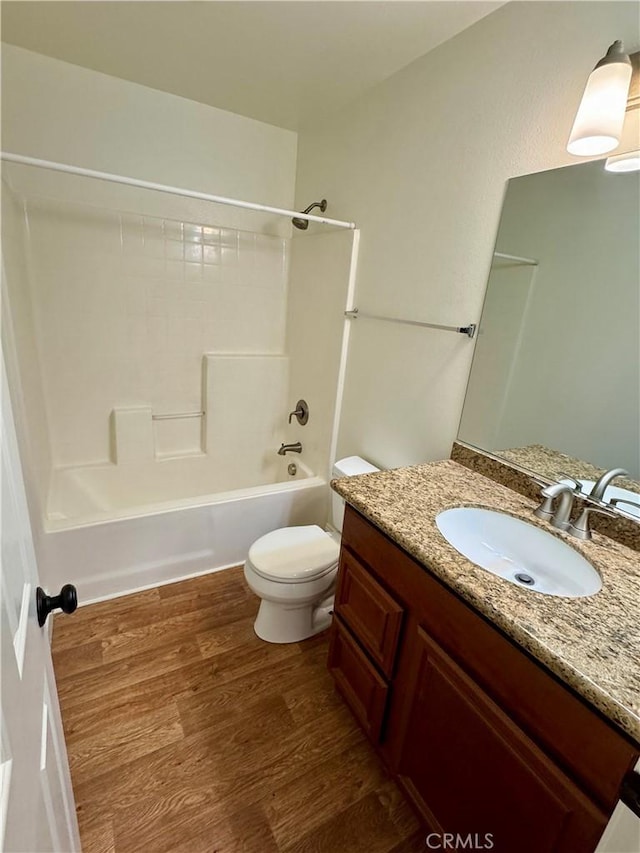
column 552, row 464
column 592, row 644
column 516, row 473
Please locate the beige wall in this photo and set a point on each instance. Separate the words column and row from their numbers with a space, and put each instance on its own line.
column 421, row 163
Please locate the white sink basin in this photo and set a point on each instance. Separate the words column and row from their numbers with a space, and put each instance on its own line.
column 518, row 552
column 614, row 492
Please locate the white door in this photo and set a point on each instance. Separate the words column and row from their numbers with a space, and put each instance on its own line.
column 38, row 810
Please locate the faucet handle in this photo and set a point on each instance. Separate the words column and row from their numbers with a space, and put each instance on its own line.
column 615, row 501
column 578, row 485
column 545, row 509
column 580, row 528
column 301, row 412
column 545, row 484
column 538, row 481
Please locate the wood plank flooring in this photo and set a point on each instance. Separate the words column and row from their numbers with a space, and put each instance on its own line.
column 187, row 734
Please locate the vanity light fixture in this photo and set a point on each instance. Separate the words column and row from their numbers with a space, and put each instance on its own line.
column 628, row 162
column 597, row 128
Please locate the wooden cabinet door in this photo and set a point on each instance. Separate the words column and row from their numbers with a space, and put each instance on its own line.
column 471, row 771
column 357, row 679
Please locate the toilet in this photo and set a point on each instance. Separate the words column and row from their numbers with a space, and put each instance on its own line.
column 293, row 570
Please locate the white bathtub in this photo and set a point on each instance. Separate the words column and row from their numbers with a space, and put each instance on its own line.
column 111, row 530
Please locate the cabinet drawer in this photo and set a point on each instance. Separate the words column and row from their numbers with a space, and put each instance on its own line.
column 363, row 688
column 372, row 614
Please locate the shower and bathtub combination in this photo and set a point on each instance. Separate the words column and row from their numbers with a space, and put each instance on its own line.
column 158, row 339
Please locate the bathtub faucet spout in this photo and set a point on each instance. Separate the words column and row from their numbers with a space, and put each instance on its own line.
column 290, row 448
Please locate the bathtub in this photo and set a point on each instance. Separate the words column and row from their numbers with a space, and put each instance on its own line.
column 112, row 530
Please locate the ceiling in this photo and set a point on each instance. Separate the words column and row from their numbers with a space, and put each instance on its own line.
column 285, row 63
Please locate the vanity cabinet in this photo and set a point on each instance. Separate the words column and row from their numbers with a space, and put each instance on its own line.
column 483, row 740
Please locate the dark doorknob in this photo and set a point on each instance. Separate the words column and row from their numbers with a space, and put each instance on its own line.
column 66, row 601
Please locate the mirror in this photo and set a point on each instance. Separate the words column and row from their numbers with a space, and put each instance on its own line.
column 555, row 379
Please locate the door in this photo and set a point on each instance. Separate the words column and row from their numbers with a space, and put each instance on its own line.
column 38, row 810
column 473, row 773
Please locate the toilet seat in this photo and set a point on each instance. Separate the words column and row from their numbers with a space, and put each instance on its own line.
column 294, row 554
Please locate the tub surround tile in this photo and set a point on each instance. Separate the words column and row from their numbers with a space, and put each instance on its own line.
column 592, row 644
column 113, row 291
column 515, row 469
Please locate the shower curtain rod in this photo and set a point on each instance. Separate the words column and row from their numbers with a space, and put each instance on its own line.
column 164, row 188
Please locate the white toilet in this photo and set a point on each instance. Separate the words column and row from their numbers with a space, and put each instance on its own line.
column 293, row 570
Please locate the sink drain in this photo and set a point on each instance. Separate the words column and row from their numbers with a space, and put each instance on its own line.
column 521, row 577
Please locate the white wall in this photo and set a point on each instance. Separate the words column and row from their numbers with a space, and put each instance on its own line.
column 127, row 289
column 320, row 270
column 420, row 163
column 58, row 111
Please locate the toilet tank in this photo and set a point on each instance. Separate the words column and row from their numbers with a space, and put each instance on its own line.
column 348, row 467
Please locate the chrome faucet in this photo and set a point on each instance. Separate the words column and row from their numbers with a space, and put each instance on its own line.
column 598, row 490
column 558, row 516
column 290, row 448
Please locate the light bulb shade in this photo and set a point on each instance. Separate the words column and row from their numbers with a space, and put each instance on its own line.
column 598, row 125
column 629, row 162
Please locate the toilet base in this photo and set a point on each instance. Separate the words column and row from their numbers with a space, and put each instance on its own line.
column 288, row 623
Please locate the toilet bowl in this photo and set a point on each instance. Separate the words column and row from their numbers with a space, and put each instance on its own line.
column 293, row 571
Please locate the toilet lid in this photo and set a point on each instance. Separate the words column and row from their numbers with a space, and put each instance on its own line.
column 294, row 553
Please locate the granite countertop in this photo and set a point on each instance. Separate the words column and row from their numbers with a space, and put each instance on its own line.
column 592, row 644
column 552, row 464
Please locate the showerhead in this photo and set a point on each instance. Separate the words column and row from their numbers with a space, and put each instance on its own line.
column 303, row 224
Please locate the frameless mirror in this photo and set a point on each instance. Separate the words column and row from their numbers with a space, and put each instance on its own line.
column 555, row 379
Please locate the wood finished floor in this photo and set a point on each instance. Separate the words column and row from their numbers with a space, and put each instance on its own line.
column 187, row 734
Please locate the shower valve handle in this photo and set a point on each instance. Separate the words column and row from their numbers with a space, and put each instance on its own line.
column 301, row 412
column 67, row 601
